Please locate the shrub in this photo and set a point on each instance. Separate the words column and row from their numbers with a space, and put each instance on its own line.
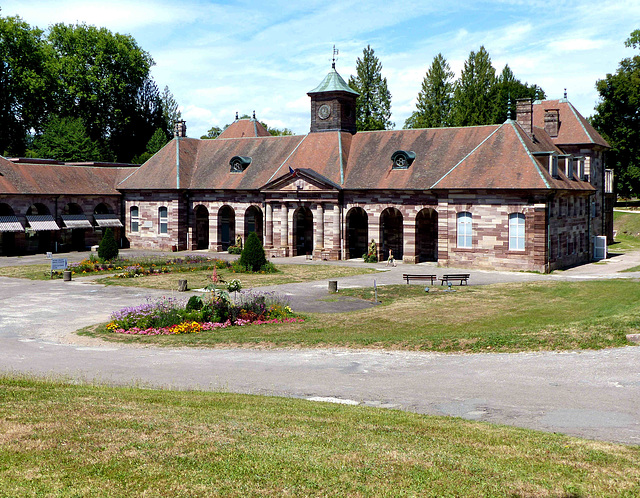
column 108, row 248
column 234, row 250
column 252, row 256
column 194, row 303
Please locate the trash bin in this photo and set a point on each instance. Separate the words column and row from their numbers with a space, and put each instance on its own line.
column 333, row 286
column 66, row 276
column 182, row 285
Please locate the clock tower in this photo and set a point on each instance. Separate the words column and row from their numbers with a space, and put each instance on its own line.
column 333, row 104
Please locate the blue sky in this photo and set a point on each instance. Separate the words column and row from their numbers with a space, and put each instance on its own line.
column 219, row 57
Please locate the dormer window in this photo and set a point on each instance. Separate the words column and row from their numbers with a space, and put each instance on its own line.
column 402, row 159
column 239, row 163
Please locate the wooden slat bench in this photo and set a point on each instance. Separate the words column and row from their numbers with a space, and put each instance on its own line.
column 408, row 276
column 461, row 277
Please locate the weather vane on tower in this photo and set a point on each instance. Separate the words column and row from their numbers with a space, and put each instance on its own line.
column 335, row 53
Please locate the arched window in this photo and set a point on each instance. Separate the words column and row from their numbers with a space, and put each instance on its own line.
column 134, row 213
column 516, row 232
column 465, row 239
column 163, row 221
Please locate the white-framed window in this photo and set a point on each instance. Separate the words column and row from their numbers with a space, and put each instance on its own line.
column 163, row 220
column 516, row 232
column 134, row 215
column 465, row 239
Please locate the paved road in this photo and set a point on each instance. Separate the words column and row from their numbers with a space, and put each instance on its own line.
column 594, row 394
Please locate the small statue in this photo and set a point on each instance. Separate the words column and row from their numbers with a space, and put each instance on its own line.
column 239, row 241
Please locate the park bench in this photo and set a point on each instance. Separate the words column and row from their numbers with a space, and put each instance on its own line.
column 461, row 277
column 408, row 277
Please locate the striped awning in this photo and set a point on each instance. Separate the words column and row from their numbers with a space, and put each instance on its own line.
column 107, row 220
column 76, row 221
column 10, row 224
column 42, row 222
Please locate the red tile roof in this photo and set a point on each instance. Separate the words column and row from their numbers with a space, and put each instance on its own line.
column 242, row 128
column 574, row 129
column 28, row 178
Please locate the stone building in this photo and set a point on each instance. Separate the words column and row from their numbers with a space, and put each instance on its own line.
column 528, row 194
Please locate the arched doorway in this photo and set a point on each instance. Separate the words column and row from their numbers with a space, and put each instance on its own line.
column 303, row 231
column 391, row 233
column 427, row 235
column 253, row 222
column 226, row 227
column 38, row 240
column 202, row 227
column 357, row 232
column 9, row 226
column 73, row 239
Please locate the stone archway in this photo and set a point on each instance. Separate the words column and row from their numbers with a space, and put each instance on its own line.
column 303, row 231
column 357, row 232
column 226, row 227
column 427, row 235
column 39, row 240
column 253, row 222
column 73, row 238
column 202, row 227
column 391, row 235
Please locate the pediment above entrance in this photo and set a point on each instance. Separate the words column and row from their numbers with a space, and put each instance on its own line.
column 305, row 180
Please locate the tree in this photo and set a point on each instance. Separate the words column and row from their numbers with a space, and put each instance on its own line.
column 156, row 142
column 373, row 106
column 433, row 109
column 104, row 79
column 617, row 118
column 509, row 88
column 214, row 132
column 108, row 248
column 252, row 256
column 170, row 112
column 26, row 83
column 65, row 139
column 474, row 96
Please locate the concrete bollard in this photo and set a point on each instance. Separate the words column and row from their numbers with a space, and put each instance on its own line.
column 66, row 276
column 333, row 286
column 182, row 285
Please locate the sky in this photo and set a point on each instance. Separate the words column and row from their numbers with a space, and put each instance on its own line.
column 223, row 57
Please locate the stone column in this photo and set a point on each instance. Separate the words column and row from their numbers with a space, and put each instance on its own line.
column 335, row 235
column 213, row 229
column 284, row 228
column 373, row 224
column 319, row 231
column 409, row 239
column 239, row 225
column 268, row 226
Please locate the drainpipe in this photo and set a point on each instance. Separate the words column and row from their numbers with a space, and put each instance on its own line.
column 178, row 162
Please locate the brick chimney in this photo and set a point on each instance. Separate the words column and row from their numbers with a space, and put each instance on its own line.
column 181, row 129
column 552, row 122
column 524, row 115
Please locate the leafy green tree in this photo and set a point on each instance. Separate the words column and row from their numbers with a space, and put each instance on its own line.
column 156, row 142
column 65, row 139
column 373, row 106
column 214, row 132
column 26, row 83
column 108, row 248
column 474, row 95
column 509, row 88
column 252, row 256
column 617, row 118
column 104, row 79
column 435, row 99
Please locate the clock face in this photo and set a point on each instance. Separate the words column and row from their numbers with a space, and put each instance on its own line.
column 324, row 111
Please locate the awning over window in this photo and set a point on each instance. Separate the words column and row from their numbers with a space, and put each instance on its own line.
column 10, row 224
column 107, row 220
column 43, row 222
column 76, row 221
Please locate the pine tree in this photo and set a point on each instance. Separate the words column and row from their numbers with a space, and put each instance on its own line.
column 373, row 106
column 433, row 109
column 509, row 88
column 170, row 111
column 108, row 248
column 474, row 95
column 253, row 257
column 65, row 139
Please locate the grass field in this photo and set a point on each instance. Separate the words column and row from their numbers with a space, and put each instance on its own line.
column 627, row 227
column 72, row 440
column 501, row 317
column 198, row 279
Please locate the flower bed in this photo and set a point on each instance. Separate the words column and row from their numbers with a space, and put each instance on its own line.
column 169, row 316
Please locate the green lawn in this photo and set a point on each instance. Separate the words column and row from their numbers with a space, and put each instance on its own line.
column 627, row 226
column 501, row 317
column 58, row 439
